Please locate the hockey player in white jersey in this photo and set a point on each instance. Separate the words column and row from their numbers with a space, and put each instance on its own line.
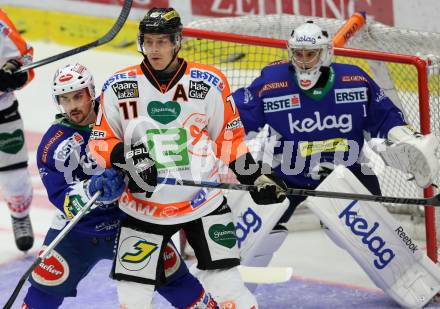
column 15, row 181
column 174, row 118
column 321, row 112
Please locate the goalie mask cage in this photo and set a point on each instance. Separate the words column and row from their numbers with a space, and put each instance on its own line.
column 246, row 44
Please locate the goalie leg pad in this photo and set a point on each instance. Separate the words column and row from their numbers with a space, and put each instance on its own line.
column 377, row 242
column 227, row 288
column 253, row 222
column 264, row 252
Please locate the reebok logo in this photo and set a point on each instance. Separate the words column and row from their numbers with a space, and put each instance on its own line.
column 406, row 239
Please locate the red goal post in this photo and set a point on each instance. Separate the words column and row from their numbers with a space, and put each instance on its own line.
column 240, row 57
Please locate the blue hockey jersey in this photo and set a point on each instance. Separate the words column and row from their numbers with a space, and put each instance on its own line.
column 327, row 123
column 64, row 163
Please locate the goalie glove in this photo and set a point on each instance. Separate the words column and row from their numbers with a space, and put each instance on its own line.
column 411, row 153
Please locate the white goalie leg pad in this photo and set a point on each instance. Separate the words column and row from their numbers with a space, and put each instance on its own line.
column 17, row 190
column 414, row 154
column 227, row 288
column 380, row 245
column 264, row 252
column 253, row 222
column 133, row 295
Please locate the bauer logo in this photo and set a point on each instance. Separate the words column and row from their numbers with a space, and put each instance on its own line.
column 369, row 235
column 53, row 270
column 278, row 104
column 249, row 222
column 351, row 95
column 198, row 90
column 126, row 90
column 208, row 76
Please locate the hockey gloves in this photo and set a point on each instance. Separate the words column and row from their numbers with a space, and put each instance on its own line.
column 10, row 81
column 137, row 165
column 269, row 190
column 110, row 183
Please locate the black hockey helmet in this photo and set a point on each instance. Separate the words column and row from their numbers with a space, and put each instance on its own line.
column 161, row 21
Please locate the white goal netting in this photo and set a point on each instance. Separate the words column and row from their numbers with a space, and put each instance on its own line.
column 242, row 63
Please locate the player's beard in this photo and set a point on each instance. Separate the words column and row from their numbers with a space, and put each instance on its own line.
column 77, row 116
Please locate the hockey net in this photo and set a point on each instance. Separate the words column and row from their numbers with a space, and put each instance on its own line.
column 240, row 56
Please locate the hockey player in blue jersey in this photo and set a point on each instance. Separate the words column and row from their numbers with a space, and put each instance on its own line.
column 319, row 113
column 71, row 176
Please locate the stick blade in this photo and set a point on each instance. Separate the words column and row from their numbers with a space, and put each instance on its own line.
column 265, row 275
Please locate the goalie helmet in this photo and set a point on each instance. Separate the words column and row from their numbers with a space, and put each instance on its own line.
column 72, row 78
column 309, row 38
column 161, row 21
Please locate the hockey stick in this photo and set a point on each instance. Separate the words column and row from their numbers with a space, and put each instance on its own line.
column 105, row 39
column 50, row 247
column 265, row 275
column 433, row 201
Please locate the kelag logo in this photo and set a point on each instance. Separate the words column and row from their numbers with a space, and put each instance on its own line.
column 250, row 221
column 360, row 227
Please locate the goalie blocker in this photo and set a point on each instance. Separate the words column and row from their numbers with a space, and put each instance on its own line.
column 380, row 245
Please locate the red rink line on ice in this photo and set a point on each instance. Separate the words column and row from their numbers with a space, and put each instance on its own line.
column 9, row 232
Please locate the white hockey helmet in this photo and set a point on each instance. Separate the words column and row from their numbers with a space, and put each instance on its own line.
column 307, row 37
column 70, row 78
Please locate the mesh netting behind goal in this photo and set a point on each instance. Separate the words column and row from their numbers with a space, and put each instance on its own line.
column 241, row 61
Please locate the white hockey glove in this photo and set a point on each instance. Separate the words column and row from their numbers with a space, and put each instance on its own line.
column 411, row 153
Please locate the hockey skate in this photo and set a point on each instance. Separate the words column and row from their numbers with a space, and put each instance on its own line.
column 23, row 233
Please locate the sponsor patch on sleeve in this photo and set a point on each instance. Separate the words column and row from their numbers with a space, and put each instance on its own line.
column 198, row 90
column 66, row 147
column 126, row 89
column 277, row 104
column 351, row 95
column 234, row 124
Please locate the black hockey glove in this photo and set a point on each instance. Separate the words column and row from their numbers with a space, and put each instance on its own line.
column 269, row 188
column 137, row 165
column 10, row 81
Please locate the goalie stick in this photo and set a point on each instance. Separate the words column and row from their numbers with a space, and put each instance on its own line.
column 433, row 201
column 105, row 39
column 50, row 247
column 265, row 275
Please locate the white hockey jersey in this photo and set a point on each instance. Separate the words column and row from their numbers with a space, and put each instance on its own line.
column 187, row 126
column 12, row 46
